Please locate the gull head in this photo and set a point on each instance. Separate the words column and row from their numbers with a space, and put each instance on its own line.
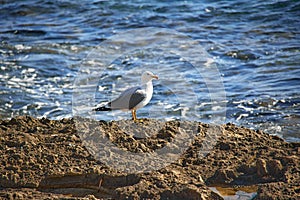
column 148, row 76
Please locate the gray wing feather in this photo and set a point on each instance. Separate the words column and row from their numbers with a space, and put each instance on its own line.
column 128, row 99
column 137, row 97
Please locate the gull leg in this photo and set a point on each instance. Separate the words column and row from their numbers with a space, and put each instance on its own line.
column 135, row 118
column 132, row 115
column 133, row 112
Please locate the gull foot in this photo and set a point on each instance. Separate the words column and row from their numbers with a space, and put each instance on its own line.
column 138, row 120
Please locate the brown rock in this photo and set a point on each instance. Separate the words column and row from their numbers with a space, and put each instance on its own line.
column 261, row 167
column 223, row 177
column 188, row 192
column 46, row 159
column 275, row 168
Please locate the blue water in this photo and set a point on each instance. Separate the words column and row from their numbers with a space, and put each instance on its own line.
column 255, row 46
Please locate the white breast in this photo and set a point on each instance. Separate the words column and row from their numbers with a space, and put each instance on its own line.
column 148, row 87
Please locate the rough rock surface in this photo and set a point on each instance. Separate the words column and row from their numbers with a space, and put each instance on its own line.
column 47, row 159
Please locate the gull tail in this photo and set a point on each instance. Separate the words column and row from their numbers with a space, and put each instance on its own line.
column 103, row 108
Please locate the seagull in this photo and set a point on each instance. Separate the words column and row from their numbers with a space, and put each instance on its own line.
column 133, row 98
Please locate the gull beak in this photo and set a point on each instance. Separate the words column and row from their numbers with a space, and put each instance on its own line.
column 155, row 77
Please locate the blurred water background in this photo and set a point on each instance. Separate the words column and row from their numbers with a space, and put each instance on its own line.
column 255, row 45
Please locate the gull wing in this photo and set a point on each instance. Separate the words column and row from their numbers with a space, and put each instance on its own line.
column 137, row 97
column 128, row 99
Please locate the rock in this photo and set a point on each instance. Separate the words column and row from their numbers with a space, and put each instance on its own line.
column 223, row 177
column 275, row 168
column 189, row 192
column 261, row 167
column 49, row 159
column 224, row 146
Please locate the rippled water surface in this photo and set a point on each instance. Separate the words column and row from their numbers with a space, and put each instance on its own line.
column 255, row 46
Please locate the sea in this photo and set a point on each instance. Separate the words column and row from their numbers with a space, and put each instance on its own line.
column 218, row 61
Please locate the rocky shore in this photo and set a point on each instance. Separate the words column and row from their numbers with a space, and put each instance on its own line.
column 47, row 159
